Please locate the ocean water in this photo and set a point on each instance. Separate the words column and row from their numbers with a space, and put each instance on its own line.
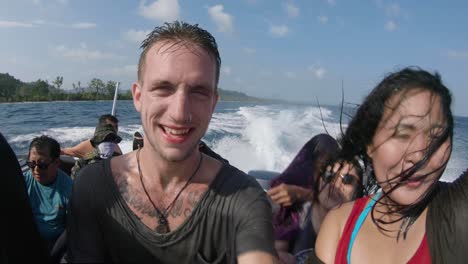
column 251, row 136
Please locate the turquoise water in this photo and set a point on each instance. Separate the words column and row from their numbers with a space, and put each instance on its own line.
column 249, row 135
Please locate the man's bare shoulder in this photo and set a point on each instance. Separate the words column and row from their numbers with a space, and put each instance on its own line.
column 79, row 150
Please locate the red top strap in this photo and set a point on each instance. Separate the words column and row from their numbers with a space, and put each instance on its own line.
column 422, row 255
column 342, row 249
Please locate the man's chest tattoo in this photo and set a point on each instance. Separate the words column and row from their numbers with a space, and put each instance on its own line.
column 193, row 197
column 140, row 203
column 134, row 200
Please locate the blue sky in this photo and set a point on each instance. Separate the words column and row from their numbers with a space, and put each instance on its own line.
column 294, row 50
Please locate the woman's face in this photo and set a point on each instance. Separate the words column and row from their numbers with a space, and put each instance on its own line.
column 340, row 188
column 409, row 123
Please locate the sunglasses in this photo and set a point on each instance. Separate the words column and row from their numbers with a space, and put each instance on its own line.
column 42, row 166
column 347, row 178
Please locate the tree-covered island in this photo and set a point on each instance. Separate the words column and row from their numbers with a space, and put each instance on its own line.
column 15, row 90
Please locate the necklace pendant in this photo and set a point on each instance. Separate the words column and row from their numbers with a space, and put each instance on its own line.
column 162, row 228
column 163, row 225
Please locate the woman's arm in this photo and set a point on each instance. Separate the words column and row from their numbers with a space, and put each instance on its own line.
column 288, row 194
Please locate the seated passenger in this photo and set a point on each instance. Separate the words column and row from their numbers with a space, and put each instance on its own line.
column 48, row 188
column 104, row 144
column 83, row 148
column 307, row 190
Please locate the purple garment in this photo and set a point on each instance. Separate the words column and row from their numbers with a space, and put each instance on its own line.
column 303, row 172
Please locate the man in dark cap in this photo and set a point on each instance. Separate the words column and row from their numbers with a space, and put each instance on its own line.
column 104, row 143
column 83, row 148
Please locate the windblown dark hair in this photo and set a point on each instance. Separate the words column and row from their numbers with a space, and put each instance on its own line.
column 180, row 33
column 362, row 129
column 46, row 143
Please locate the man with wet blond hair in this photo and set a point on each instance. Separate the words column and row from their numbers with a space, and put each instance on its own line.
column 167, row 202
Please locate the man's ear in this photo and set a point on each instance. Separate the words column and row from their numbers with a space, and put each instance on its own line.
column 136, row 94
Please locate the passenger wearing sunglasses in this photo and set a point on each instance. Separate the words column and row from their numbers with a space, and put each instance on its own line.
column 339, row 184
column 48, row 188
column 309, row 187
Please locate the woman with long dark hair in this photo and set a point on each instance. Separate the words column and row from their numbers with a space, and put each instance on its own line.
column 403, row 134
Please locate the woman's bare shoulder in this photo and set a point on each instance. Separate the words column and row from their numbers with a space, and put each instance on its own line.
column 330, row 232
column 342, row 211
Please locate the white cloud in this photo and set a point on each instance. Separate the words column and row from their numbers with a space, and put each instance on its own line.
column 15, row 24
column 249, row 50
column 162, row 10
column 331, row 2
column 318, row 71
column 127, row 70
column 322, row 19
column 81, row 54
column 290, row 75
column 39, row 2
column 226, row 70
column 292, row 10
column 223, row 20
column 40, row 22
column 391, row 26
column 454, row 54
column 279, row 31
column 83, row 25
column 136, row 36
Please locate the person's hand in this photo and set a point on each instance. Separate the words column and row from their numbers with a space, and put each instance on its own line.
column 284, row 194
column 286, row 258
